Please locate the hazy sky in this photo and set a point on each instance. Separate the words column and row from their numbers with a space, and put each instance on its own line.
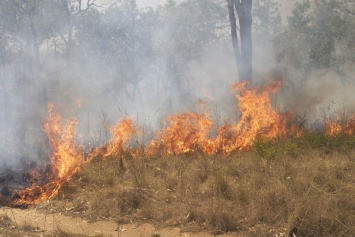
column 153, row 3
column 145, row 3
column 286, row 6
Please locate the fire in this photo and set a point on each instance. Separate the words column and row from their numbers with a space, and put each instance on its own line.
column 190, row 132
column 334, row 127
column 349, row 128
column 182, row 133
column 121, row 134
column 66, row 158
column 258, row 118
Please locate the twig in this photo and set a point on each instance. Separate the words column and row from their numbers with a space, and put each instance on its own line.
column 350, row 12
column 13, row 215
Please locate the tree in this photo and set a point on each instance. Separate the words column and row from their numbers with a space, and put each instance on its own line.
column 266, row 19
column 109, row 42
column 183, row 32
column 243, row 55
column 319, row 36
column 63, row 16
column 25, row 30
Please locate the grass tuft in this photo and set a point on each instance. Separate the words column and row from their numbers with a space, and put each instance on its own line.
column 302, row 186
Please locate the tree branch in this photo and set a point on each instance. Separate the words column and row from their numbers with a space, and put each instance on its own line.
column 61, row 36
column 350, row 12
column 89, row 4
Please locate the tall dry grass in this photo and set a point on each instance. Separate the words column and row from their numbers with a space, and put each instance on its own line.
column 304, row 187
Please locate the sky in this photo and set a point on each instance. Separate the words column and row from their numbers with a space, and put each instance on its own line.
column 146, row 3
column 152, row 3
column 286, row 6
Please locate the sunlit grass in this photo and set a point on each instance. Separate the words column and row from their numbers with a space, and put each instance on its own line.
column 304, row 185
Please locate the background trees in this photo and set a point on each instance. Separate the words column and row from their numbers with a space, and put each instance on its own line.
column 129, row 41
column 117, row 58
column 319, row 36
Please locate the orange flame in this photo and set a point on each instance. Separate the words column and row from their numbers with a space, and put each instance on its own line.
column 258, row 118
column 121, row 134
column 334, row 127
column 189, row 132
column 66, row 158
column 182, row 133
column 349, row 128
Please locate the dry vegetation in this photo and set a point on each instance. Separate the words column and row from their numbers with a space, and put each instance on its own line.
column 11, row 228
column 304, row 187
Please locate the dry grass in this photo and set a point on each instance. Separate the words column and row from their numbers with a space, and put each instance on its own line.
column 6, row 222
column 7, row 227
column 10, row 228
column 285, row 187
column 62, row 233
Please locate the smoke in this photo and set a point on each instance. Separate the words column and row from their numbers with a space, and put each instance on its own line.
column 131, row 67
column 146, row 68
column 325, row 95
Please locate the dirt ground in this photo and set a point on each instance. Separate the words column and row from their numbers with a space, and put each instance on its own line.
column 49, row 224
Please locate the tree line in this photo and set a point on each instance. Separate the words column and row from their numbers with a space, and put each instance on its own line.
column 117, row 36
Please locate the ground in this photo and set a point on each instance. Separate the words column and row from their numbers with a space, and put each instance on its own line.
column 277, row 188
column 32, row 222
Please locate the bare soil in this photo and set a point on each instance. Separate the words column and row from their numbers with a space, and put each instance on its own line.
column 54, row 224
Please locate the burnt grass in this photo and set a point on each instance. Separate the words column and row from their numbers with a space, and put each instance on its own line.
column 304, row 186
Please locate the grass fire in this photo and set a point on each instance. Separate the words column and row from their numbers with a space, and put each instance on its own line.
column 183, row 133
column 218, row 158
column 66, row 159
column 192, row 134
column 177, row 118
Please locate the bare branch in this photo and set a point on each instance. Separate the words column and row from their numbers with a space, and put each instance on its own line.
column 61, row 36
column 350, row 12
column 89, row 4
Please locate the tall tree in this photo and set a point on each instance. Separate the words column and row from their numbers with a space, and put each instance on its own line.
column 243, row 54
column 25, row 29
column 64, row 16
column 319, row 37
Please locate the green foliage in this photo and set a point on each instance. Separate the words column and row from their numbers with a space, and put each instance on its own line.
column 266, row 19
column 318, row 36
column 266, row 149
column 290, row 147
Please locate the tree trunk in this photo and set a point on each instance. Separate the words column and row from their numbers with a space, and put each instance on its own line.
column 243, row 55
column 69, row 41
column 245, row 23
column 69, row 45
column 35, row 40
column 233, row 22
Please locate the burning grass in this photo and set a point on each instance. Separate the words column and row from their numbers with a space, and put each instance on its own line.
column 279, row 174
column 182, row 133
column 309, row 192
column 66, row 158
